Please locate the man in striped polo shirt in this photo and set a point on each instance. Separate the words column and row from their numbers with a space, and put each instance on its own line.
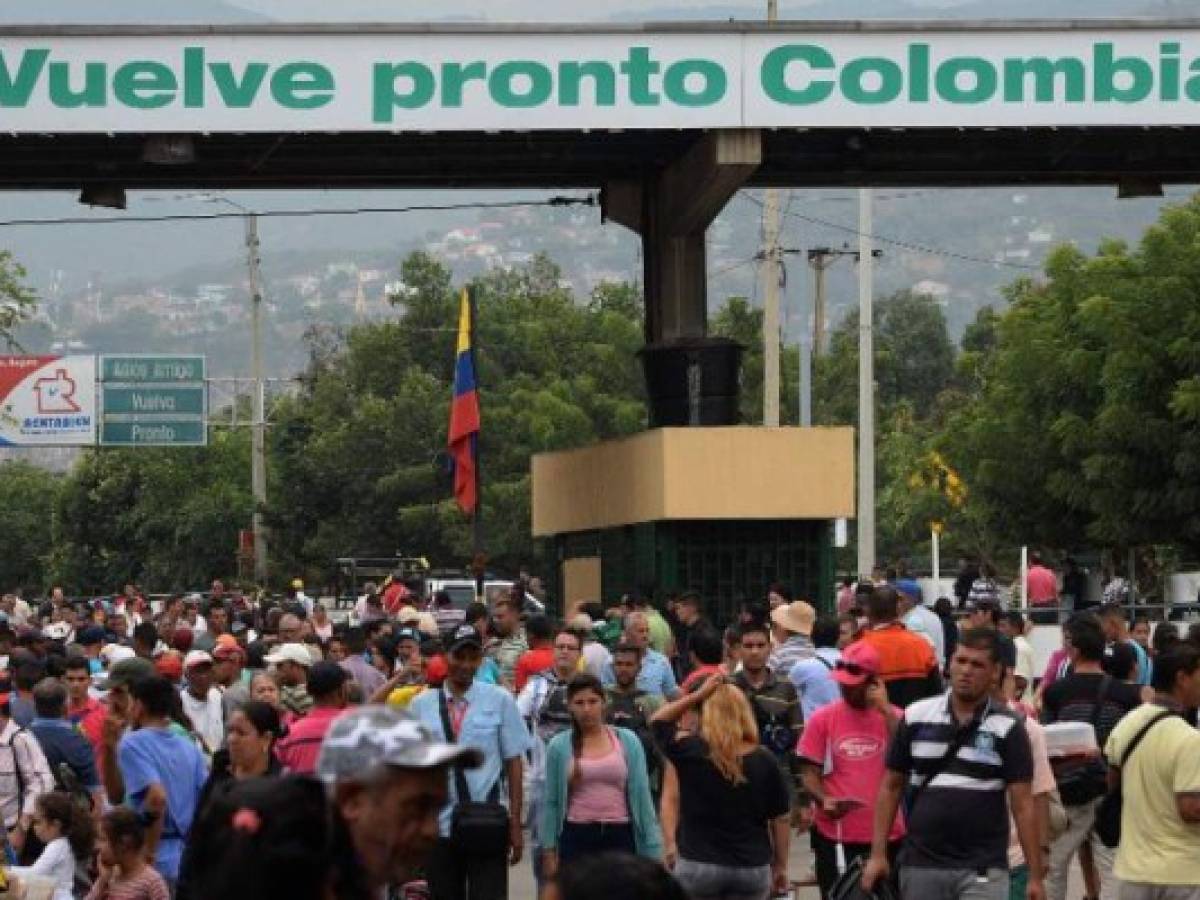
column 964, row 758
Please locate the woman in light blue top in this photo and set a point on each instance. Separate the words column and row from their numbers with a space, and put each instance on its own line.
column 597, row 791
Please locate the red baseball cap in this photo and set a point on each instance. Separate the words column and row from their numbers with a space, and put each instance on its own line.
column 859, row 664
column 169, row 665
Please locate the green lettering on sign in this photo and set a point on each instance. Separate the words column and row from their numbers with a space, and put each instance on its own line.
column 302, row 85
column 887, row 73
column 143, row 84
column 775, row 74
column 502, row 84
column 152, row 369
column 155, row 399
column 157, row 433
column 980, row 83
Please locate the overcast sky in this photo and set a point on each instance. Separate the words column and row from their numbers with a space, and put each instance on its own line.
column 521, row 10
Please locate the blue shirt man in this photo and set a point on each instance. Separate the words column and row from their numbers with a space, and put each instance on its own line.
column 157, row 765
column 467, row 711
column 814, row 682
column 656, row 675
column 62, row 742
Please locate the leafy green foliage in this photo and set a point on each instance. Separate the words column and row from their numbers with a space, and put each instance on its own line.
column 358, row 456
column 27, row 495
column 167, row 518
column 17, row 300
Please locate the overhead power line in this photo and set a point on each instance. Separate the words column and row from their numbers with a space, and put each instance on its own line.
column 589, row 200
column 906, row 245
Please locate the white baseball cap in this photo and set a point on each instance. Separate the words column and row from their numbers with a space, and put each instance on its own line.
column 196, row 658
column 295, row 653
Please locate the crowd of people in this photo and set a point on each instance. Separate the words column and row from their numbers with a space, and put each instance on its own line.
column 235, row 746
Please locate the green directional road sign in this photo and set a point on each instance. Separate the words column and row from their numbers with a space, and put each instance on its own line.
column 159, row 432
column 154, row 399
column 152, row 369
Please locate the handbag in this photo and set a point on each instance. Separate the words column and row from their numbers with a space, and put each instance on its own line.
column 1108, row 814
column 477, row 828
column 849, row 885
column 1082, row 781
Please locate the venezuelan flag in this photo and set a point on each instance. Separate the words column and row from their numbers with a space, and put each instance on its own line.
column 464, row 414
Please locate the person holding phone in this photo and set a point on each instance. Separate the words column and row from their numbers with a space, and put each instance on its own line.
column 842, row 752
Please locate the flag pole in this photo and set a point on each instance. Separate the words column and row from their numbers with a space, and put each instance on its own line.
column 477, row 517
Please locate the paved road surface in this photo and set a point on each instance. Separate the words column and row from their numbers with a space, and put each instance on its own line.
column 521, row 885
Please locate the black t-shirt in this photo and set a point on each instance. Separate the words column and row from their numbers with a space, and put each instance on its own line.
column 1073, row 698
column 721, row 822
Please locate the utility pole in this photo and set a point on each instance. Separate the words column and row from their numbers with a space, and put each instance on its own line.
column 866, row 389
column 820, row 259
column 772, row 272
column 258, row 453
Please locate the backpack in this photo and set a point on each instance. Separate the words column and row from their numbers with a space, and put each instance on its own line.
column 624, row 711
column 1083, row 780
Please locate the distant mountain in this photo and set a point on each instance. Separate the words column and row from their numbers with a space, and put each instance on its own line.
column 150, row 12
column 907, row 9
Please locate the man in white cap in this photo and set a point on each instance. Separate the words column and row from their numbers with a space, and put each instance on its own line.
column 791, row 629
column 387, row 776
column 292, row 662
column 202, row 701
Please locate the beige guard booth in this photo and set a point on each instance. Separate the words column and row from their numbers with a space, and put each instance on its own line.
column 725, row 511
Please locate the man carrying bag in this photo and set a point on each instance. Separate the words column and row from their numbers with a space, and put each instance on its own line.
column 479, row 833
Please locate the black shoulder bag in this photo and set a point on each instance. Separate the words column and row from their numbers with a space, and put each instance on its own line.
column 476, row 828
column 961, row 736
column 1108, row 815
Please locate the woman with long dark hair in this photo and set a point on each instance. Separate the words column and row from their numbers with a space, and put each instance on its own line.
column 250, row 753
column 597, row 792
column 733, row 800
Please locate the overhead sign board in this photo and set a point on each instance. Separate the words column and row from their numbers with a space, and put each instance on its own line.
column 47, row 401
column 153, row 401
column 546, row 78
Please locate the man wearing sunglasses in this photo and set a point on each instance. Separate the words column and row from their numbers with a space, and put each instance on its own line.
column 842, row 754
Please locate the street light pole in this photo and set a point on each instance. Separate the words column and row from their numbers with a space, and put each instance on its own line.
column 772, row 270
column 258, row 455
column 866, row 389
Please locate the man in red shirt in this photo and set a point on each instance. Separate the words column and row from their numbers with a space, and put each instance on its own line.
column 327, row 686
column 396, row 595
column 1041, row 586
column 540, row 655
column 83, row 709
column 842, row 753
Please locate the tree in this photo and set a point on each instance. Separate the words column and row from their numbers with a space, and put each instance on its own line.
column 166, row 517
column 27, row 495
column 359, row 455
column 17, row 300
column 914, row 360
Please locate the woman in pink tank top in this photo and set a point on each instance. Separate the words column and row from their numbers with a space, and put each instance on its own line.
column 598, row 795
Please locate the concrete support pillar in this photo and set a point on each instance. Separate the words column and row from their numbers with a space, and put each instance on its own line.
column 688, row 377
column 672, row 210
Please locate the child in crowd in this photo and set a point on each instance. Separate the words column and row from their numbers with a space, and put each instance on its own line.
column 124, row 872
column 66, row 830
